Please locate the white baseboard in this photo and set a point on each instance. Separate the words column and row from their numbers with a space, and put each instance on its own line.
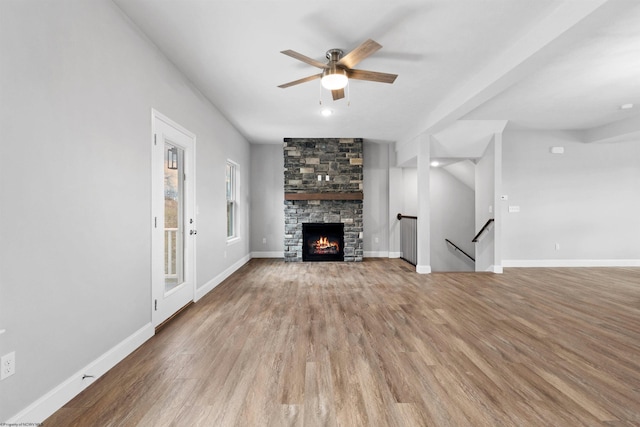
column 423, row 269
column 207, row 287
column 571, row 263
column 45, row 406
column 272, row 254
column 495, row 269
column 376, row 254
column 395, row 254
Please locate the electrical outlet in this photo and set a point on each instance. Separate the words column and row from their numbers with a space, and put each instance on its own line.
column 557, row 246
column 264, row 240
column 7, row 365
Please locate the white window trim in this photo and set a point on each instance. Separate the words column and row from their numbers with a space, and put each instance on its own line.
column 233, row 240
column 236, row 189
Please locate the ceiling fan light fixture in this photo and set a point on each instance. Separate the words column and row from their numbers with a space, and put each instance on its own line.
column 334, row 78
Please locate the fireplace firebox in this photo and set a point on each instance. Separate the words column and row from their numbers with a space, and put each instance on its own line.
column 323, row 241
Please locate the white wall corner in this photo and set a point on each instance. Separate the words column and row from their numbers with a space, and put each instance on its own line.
column 423, row 269
column 207, row 287
column 45, row 406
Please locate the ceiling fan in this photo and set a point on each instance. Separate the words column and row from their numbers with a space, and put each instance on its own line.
column 337, row 72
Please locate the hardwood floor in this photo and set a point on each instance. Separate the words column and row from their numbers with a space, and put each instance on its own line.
column 374, row 344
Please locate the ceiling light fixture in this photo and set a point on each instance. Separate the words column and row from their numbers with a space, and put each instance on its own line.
column 435, row 163
column 326, row 112
column 334, row 78
column 626, row 106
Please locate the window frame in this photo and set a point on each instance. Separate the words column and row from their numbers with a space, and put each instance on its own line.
column 232, row 176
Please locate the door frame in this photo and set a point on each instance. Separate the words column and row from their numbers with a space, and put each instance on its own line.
column 162, row 308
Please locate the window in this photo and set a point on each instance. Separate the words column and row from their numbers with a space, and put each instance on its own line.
column 232, row 203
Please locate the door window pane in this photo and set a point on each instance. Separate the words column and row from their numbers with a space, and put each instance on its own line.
column 173, row 216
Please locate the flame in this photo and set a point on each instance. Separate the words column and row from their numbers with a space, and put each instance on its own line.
column 324, row 243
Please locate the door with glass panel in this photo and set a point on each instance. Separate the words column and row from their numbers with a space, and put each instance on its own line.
column 173, row 222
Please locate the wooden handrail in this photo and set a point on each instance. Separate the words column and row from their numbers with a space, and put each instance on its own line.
column 400, row 216
column 460, row 250
column 486, row 225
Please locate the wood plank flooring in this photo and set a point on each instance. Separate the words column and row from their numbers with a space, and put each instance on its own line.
column 375, row 344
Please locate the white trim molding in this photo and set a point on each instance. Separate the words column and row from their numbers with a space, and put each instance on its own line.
column 272, row 254
column 376, row 254
column 45, row 406
column 571, row 263
column 395, row 254
column 207, row 287
column 423, row 269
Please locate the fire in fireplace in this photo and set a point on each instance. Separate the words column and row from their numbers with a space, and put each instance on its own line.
column 323, row 241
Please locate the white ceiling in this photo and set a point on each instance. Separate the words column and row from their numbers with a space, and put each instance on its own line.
column 547, row 64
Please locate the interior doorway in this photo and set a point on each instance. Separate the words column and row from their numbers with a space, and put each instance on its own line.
column 173, row 218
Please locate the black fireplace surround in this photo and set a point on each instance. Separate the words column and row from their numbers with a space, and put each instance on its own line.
column 323, row 241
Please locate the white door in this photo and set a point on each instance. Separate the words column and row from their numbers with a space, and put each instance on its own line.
column 173, row 218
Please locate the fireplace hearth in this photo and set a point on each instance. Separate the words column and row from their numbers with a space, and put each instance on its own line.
column 323, row 241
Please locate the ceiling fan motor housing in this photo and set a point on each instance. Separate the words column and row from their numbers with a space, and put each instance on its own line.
column 334, row 55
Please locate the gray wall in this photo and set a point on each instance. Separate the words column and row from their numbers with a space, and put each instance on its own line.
column 267, row 200
column 410, row 187
column 586, row 200
column 452, row 217
column 77, row 87
column 376, row 199
column 485, row 208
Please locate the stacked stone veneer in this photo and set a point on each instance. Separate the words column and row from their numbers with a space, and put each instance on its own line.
column 304, row 160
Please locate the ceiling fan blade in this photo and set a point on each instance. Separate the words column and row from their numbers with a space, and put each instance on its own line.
column 372, row 76
column 352, row 58
column 337, row 94
column 305, row 59
column 302, row 80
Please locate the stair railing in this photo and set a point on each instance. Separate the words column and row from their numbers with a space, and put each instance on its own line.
column 482, row 230
column 457, row 248
column 409, row 238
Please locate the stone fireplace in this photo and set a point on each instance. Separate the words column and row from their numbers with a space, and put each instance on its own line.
column 323, row 186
